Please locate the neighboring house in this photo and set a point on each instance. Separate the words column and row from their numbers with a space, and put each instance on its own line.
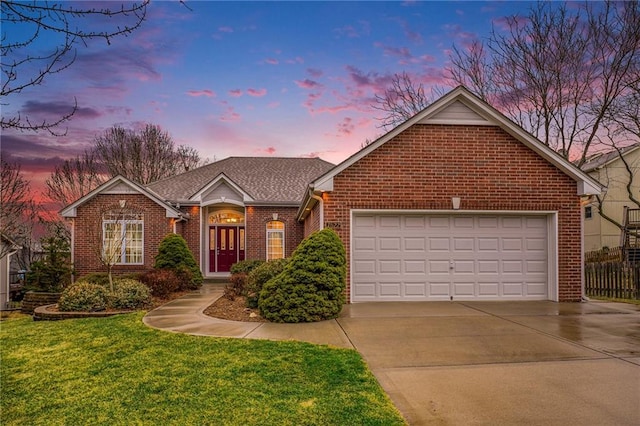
column 610, row 170
column 457, row 203
column 8, row 247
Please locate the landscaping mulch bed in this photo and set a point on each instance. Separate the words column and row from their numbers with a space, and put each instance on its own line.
column 233, row 310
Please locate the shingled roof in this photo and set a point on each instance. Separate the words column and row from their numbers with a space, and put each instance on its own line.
column 265, row 179
column 596, row 161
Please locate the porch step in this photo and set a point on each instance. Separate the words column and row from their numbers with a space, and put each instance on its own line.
column 216, row 280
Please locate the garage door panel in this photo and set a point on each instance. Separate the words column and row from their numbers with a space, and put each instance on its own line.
column 418, row 244
column 463, row 244
column 438, row 257
column 390, row 289
column 512, row 244
column 361, row 244
column 389, row 244
column 439, row 244
column 389, row 267
column 415, row 289
column 415, row 267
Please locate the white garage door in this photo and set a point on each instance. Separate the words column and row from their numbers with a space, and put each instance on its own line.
column 448, row 257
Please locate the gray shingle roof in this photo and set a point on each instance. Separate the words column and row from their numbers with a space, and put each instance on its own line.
column 598, row 160
column 265, row 179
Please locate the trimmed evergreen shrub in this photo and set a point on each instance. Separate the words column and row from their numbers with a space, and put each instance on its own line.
column 259, row 276
column 53, row 272
column 245, row 266
column 102, row 278
column 174, row 253
column 84, row 297
column 161, row 282
column 99, row 278
column 311, row 286
column 129, row 294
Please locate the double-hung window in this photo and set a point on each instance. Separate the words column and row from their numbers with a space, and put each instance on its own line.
column 275, row 240
column 123, row 238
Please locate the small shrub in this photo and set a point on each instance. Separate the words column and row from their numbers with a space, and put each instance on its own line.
column 185, row 279
column 245, row 266
column 83, row 296
column 53, row 272
column 161, row 282
column 99, row 278
column 236, row 286
column 129, row 294
column 311, row 286
column 174, row 253
column 259, row 276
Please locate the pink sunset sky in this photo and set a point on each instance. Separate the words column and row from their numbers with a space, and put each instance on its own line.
column 247, row 78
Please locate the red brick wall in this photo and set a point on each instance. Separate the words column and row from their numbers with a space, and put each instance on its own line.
column 426, row 165
column 88, row 232
column 256, row 219
column 190, row 230
column 312, row 221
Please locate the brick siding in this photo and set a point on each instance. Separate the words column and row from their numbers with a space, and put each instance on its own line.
column 256, row 218
column 88, row 232
column 427, row 165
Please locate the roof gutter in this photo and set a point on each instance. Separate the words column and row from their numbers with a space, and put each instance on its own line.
column 311, row 195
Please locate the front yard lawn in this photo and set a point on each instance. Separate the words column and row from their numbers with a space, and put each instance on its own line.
column 117, row 371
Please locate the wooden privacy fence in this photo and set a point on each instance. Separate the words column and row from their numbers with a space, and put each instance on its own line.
column 613, row 279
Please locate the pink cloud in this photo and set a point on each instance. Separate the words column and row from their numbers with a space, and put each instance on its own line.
column 273, row 105
column 197, row 93
column 307, row 84
column 230, row 115
column 258, row 93
column 314, row 72
column 401, row 52
column 271, row 61
column 270, row 150
column 346, row 126
column 236, row 93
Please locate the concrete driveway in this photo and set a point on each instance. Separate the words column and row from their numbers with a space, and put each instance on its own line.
column 503, row 363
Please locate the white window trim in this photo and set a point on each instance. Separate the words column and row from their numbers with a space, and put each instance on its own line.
column 123, row 248
column 276, row 231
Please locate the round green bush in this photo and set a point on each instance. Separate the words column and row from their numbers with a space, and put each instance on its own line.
column 259, row 276
column 84, row 297
column 129, row 294
column 311, row 287
column 99, row 278
column 173, row 253
column 245, row 266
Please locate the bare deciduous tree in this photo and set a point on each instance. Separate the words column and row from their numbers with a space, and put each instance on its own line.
column 75, row 178
column 559, row 71
column 569, row 75
column 145, row 156
column 117, row 230
column 66, row 25
column 16, row 203
column 404, row 99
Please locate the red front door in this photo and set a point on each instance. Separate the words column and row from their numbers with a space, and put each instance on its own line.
column 223, row 248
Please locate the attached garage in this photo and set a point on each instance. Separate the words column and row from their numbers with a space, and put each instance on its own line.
column 400, row 256
column 456, row 203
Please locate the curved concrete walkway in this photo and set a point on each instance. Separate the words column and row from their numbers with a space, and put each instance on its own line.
column 185, row 315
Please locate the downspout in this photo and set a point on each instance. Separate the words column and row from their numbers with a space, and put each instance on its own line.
column 321, row 202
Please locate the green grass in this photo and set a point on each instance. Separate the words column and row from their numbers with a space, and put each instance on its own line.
column 117, row 371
